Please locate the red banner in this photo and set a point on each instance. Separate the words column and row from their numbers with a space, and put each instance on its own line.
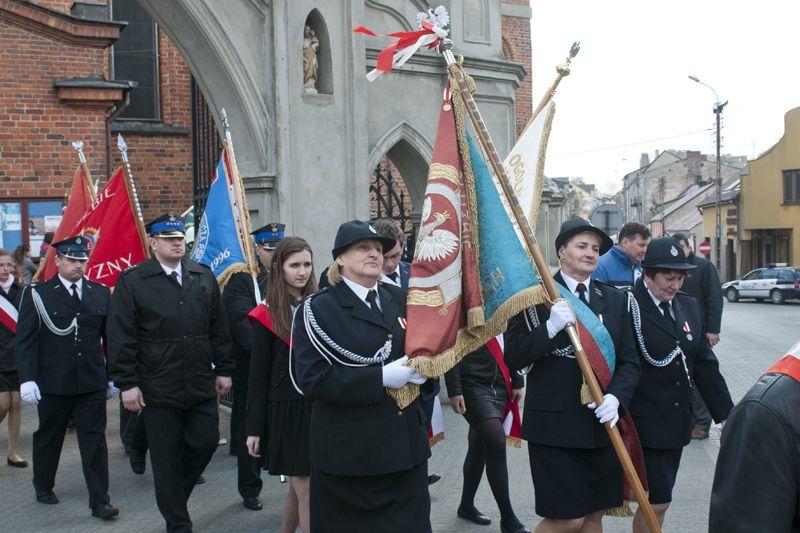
column 80, row 201
column 110, row 227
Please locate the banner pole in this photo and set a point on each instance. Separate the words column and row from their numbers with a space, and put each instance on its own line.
column 130, row 187
column 458, row 75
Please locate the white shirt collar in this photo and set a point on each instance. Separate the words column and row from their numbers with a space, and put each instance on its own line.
column 168, row 270
column 572, row 284
column 362, row 291
column 387, row 279
column 657, row 302
column 68, row 284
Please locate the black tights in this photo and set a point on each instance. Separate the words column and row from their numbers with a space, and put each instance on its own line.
column 487, row 448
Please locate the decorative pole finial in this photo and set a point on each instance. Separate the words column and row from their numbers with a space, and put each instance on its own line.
column 78, row 146
column 224, row 115
column 123, row 148
column 563, row 69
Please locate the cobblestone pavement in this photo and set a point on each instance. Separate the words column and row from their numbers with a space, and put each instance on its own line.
column 754, row 335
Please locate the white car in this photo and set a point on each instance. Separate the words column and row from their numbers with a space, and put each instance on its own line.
column 775, row 282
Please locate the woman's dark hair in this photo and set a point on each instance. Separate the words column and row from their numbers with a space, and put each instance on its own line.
column 48, row 237
column 279, row 299
column 19, row 253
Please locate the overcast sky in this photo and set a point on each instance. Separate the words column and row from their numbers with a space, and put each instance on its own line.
column 629, row 82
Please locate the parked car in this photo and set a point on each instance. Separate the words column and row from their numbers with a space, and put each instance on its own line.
column 775, row 282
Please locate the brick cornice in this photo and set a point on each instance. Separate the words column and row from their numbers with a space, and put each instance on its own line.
column 59, row 26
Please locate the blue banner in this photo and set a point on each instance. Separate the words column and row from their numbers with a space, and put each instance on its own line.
column 218, row 245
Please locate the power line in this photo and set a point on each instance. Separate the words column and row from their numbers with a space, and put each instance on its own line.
column 636, row 143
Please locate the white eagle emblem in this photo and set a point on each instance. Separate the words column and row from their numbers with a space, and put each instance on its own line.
column 673, row 251
column 434, row 244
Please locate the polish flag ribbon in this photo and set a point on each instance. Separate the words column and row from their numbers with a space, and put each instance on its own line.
column 8, row 314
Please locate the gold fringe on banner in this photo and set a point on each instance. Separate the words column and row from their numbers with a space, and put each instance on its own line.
column 226, row 274
column 439, row 437
column 514, row 442
column 405, row 396
column 623, row 511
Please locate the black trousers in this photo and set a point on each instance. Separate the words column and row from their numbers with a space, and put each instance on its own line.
column 90, row 426
column 248, row 468
column 182, row 442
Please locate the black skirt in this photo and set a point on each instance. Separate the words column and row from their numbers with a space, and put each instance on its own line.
column 662, row 470
column 571, row 483
column 9, row 381
column 388, row 503
column 484, row 400
column 288, row 424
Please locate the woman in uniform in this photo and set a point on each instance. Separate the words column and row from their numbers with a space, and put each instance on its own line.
column 675, row 356
column 576, row 475
column 478, row 391
column 368, row 457
column 277, row 414
column 10, row 402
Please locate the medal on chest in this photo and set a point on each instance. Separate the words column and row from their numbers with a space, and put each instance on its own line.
column 687, row 330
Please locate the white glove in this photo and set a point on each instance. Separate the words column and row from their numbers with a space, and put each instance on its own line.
column 560, row 315
column 608, row 410
column 417, row 379
column 29, row 391
column 111, row 391
column 395, row 375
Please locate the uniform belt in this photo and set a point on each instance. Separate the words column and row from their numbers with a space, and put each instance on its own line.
column 185, row 338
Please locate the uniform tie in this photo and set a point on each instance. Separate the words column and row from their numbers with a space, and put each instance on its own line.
column 665, row 308
column 75, row 296
column 392, row 276
column 173, row 276
column 372, row 296
column 581, row 288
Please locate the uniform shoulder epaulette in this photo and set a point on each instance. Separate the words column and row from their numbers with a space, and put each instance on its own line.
column 608, row 285
column 687, row 294
column 131, row 268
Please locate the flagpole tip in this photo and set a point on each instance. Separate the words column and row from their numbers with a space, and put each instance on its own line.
column 121, row 143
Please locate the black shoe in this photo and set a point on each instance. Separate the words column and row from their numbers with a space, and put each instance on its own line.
column 138, row 462
column 517, row 528
column 16, row 464
column 474, row 515
column 200, row 480
column 48, row 498
column 105, row 511
column 253, row 503
column 433, row 478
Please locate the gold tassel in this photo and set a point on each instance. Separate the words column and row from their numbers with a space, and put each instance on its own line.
column 513, row 442
column 624, row 511
column 436, row 438
column 405, row 396
column 586, row 394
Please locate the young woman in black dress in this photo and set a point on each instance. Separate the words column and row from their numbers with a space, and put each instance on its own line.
column 278, row 417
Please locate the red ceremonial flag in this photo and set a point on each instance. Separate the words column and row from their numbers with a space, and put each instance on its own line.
column 111, row 227
column 8, row 314
column 80, row 201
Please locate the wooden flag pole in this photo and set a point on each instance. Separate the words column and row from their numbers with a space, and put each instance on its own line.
column 457, row 74
column 130, row 187
column 90, row 185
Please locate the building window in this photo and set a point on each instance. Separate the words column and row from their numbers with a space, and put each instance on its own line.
column 134, row 56
column 26, row 222
column 791, row 186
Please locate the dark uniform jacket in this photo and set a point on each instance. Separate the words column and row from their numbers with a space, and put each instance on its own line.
column 356, row 427
column 8, row 362
column 757, row 482
column 661, row 406
column 239, row 298
column 704, row 285
column 478, row 372
column 164, row 338
column 269, row 379
column 554, row 415
column 70, row 364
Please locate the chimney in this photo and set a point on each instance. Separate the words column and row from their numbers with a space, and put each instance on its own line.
column 644, row 160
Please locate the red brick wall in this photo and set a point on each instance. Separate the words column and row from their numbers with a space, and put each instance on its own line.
column 517, row 47
column 36, row 158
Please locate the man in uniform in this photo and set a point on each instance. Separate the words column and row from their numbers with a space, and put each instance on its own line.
column 61, row 367
column 239, row 298
column 170, row 355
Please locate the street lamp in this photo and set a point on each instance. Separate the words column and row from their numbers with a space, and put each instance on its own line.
column 718, row 107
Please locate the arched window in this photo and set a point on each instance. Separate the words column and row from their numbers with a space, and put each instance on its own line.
column 316, row 31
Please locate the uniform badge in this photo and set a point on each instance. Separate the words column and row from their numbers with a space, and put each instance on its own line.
column 403, row 322
column 687, row 330
column 372, row 229
column 673, row 251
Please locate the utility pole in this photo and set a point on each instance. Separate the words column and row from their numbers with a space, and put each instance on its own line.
column 718, row 107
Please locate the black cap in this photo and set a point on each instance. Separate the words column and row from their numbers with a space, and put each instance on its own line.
column 75, row 247
column 577, row 225
column 356, row 231
column 270, row 235
column 167, row 225
column 667, row 253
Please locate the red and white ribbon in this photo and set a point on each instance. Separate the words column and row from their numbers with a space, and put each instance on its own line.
column 8, row 314
column 408, row 42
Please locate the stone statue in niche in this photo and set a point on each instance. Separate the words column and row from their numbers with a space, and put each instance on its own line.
column 310, row 63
